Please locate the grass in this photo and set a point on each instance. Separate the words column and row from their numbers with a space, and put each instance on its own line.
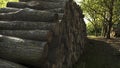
column 99, row 54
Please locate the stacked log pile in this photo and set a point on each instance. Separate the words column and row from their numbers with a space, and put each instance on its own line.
column 41, row 34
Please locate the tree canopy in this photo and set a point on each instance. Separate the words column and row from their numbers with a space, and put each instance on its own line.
column 4, row 2
column 102, row 12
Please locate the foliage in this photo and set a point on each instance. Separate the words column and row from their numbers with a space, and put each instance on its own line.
column 92, row 31
column 4, row 2
column 104, row 12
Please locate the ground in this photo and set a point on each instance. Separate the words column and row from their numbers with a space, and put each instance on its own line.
column 100, row 53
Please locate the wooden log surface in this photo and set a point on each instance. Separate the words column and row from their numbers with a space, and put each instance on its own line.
column 8, row 64
column 40, row 5
column 25, row 25
column 57, row 10
column 44, row 0
column 40, row 35
column 69, row 39
column 29, row 15
column 8, row 9
column 27, row 52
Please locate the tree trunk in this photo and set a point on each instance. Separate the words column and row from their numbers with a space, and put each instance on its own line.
column 40, row 35
column 109, row 31
column 23, row 25
column 29, row 15
column 21, row 51
column 40, row 5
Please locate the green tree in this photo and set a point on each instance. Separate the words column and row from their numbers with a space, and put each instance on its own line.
column 4, row 2
column 105, row 12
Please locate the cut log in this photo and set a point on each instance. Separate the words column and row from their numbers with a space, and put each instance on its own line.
column 40, row 35
column 55, row 0
column 29, row 15
column 69, row 38
column 40, row 5
column 57, row 10
column 25, row 25
column 27, row 52
column 17, row 4
column 8, row 64
column 24, row 0
column 44, row 0
column 7, row 9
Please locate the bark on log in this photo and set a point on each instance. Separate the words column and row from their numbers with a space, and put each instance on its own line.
column 24, row 0
column 40, row 5
column 7, row 9
column 44, row 0
column 40, row 35
column 54, row 0
column 8, row 64
column 27, row 52
column 29, row 15
column 25, row 25
column 69, row 38
column 57, row 10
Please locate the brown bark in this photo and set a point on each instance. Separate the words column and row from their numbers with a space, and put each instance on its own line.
column 29, row 15
column 27, row 52
column 8, row 64
column 57, row 10
column 44, row 0
column 25, row 25
column 109, row 31
column 40, row 35
column 69, row 38
column 6, row 10
column 24, row 0
column 62, row 46
column 110, row 18
column 40, row 5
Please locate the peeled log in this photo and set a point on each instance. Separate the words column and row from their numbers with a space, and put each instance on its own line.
column 40, row 35
column 27, row 52
column 29, row 15
column 23, row 25
column 7, row 9
column 8, row 64
column 40, row 5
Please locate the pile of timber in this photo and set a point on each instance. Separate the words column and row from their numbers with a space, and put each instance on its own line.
column 41, row 34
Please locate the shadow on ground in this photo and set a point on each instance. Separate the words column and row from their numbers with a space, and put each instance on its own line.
column 99, row 54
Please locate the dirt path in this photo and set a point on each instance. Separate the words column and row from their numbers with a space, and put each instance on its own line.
column 101, row 53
